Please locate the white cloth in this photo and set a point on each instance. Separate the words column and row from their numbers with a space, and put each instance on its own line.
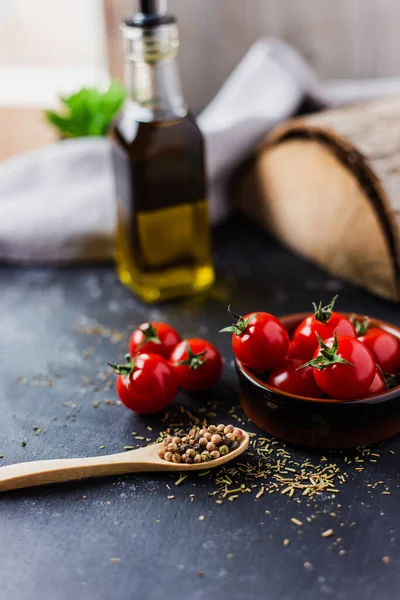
column 58, row 204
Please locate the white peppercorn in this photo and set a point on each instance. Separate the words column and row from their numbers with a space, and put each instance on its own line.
column 211, row 447
column 238, row 433
column 229, row 429
column 215, row 454
column 216, row 438
column 168, row 456
column 176, row 458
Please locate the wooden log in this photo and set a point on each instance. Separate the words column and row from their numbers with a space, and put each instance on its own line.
column 328, row 186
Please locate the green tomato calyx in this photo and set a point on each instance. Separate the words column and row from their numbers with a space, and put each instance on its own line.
column 193, row 361
column 241, row 324
column 324, row 313
column 149, row 335
column 328, row 357
column 361, row 327
column 127, row 369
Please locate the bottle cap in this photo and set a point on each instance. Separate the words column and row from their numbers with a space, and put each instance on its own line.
column 152, row 7
column 152, row 14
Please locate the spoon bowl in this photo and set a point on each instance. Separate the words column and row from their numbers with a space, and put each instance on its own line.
column 142, row 460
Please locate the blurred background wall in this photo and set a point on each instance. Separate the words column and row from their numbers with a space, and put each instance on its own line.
column 341, row 38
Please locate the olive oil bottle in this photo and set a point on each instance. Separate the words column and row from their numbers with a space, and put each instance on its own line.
column 163, row 238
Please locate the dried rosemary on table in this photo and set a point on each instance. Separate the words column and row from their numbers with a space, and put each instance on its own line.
column 269, row 467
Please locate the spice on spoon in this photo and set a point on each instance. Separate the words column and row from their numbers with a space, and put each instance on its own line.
column 201, row 444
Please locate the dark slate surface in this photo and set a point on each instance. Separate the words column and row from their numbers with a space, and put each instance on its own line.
column 57, row 542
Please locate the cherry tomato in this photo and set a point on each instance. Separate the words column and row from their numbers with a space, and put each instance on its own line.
column 154, row 338
column 324, row 322
column 294, row 351
column 197, row 364
column 385, row 349
column 147, row 384
column 290, row 378
column 378, row 385
column 343, row 367
column 259, row 340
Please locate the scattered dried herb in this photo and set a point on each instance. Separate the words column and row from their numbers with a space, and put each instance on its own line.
column 181, row 479
column 328, row 533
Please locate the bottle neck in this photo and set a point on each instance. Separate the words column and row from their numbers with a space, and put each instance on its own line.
column 155, row 90
column 152, row 72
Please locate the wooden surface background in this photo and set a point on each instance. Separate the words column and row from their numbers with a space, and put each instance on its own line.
column 341, row 38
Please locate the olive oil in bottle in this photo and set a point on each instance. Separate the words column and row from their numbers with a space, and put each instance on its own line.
column 163, row 238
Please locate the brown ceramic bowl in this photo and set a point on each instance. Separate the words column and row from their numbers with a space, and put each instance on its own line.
column 320, row 422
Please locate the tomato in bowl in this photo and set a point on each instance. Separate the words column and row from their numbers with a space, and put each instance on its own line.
column 320, row 422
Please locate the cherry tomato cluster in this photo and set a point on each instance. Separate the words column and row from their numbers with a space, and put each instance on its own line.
column 158, row 362
column 328, row 355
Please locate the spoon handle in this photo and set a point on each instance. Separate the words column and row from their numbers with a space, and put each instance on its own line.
column 43, row 472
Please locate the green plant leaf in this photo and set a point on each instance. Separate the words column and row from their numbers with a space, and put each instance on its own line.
column 88, row 112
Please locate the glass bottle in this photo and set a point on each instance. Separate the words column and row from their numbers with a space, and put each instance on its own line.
column 163, row 237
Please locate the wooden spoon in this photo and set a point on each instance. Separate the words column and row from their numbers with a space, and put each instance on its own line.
column 43, row 472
